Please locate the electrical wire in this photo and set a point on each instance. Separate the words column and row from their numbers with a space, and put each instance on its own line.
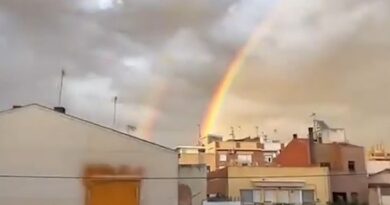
column 124, row 177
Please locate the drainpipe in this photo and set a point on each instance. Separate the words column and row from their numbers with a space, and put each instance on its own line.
column 379, row 192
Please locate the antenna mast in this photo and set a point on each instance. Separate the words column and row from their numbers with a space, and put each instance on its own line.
column 200, row 135
column 61, row 86
column 232, row 133
column 114, row 118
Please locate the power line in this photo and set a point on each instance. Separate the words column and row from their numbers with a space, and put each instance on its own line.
column 124, row 177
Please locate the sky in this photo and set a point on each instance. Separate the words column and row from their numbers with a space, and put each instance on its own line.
column 164, row 59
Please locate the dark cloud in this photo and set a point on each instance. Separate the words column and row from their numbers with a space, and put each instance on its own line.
column 335, row 65
column 164, row 59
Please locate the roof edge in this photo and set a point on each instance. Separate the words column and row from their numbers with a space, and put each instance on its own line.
column 91, row 123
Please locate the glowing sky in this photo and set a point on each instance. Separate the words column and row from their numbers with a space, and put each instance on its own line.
column 164, row 60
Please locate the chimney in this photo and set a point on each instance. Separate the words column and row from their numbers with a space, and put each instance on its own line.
column 311, row 146
column 295, row 136
column 60, row 109
column 16, row 106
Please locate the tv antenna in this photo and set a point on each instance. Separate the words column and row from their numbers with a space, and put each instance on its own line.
column 61, row 87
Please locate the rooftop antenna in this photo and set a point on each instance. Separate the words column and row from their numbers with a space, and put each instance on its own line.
column 239, row 131
column 232, row 133
column 257, row 131
column 61, row 87
column 199, row 135
column 314, row 117
column 114, row 118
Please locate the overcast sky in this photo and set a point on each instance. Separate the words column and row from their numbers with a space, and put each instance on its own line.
column 163, row 59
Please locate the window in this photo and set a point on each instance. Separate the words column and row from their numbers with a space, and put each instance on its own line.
column 354, row 197
column 257, row 196
column 325, row 164
column 238, row 145
column 217, row 144
column 270, row 196
column 268, row 158
column 385, row 191
column 351, row 166
column 247, row 197
column 222, row 158
column 308, row 197
column 283, row 196
column 295, row 196
column 339, row 197
column 244, row 158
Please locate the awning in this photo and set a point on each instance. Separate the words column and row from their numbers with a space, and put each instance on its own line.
column 278, row 183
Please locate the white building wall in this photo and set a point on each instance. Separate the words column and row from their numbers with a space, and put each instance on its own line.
column 333, row 135
column 35, row 141
column 272, row 146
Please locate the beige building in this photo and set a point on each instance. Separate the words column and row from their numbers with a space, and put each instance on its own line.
column 196, row 155
column 257, row 185
column 378, row 159
column 378, row 153
column 193, row 184
column 379, row 188
column 217, row 153
column 54, row 158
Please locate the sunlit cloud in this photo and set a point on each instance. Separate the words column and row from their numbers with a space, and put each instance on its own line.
column 100, row 5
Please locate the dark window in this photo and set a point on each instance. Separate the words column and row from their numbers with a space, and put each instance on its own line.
column 351, row 166
column 308, row 197
column 246, row 197
column 325, row 164
column 339, row 197
column 259, row 145
column 217, row 144
column 238, row 145
column 354, row 197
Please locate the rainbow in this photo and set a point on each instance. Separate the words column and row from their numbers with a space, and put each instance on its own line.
column 214, row 107
column 156, row 98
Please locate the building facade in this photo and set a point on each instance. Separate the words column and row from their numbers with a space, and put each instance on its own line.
column 346, row 164
column 379, row 187
column 378, row 159
column 271, row 185
column 196, row 155
column 192, row 184
column 55, row 158
column 323, row 133
column 217, row 153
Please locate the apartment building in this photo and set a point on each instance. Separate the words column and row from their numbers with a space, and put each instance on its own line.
column 346, row 164
column 271, row 185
